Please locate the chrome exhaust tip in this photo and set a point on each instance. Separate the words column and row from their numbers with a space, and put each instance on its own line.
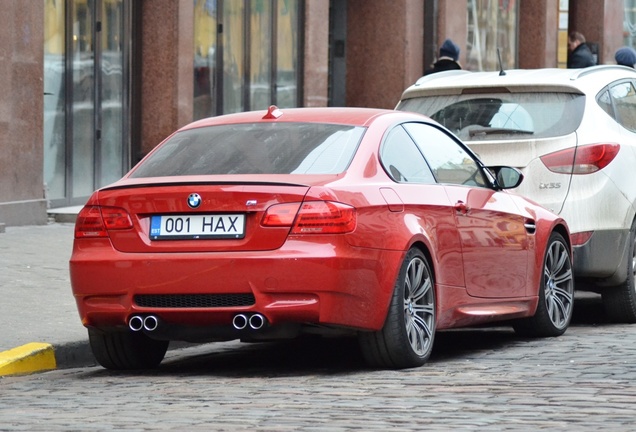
column 151, row 323
column 257, row 321
column 239, row 321
column 136, row 323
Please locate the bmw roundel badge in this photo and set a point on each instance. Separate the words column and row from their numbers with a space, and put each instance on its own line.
column 194, row 200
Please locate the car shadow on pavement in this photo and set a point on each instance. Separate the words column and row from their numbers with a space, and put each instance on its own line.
column 308, row 356
column 332, row 356
column 588, row 309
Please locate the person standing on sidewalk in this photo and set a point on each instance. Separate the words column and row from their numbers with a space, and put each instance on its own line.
column 448, row 56
column 579, row 54
column 625, row 56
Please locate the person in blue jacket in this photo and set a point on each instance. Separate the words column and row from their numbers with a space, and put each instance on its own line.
column 448, row 58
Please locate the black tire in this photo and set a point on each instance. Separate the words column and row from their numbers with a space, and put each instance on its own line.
column 406, row 339
column 126, row 350
column 556, row 293
column 619, row 302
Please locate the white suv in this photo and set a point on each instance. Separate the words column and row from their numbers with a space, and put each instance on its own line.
column 572, row 132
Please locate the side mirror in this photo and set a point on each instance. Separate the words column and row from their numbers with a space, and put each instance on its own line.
column 506, row 177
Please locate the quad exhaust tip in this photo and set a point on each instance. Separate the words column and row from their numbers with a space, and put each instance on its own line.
column 137, row 323
column 257, row 321
column 240, row 322
column 254, row 321
column 151, row 323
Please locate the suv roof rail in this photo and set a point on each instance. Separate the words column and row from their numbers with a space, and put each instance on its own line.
column 592, row 69
column 433, row 76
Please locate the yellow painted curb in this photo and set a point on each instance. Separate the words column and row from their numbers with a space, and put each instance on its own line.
column 29, row 358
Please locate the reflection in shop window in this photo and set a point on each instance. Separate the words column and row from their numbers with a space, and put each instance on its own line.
column 629, row 23
column 492, row 26
column 54, row 100
column 287, row 62
column 260, row 54
column 246, row 55
column 205, row 26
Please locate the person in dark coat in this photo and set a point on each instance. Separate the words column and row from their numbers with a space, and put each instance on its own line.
column 579, row 55
column 448, row 56
column 625, row 56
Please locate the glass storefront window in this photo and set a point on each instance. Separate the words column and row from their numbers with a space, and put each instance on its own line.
column 260, row 54
column 629, row 23
column 287, row 61
column 492, row 26
column 112, row 146
column 246, row 55
column 233, row 56
column 54, row 100
column 86, row 117
column 83, row 59
column 205, row 29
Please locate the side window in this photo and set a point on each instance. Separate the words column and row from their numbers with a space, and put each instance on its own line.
column 624, row 97
column 605, row 102
column 402, row 160
column 449, row 161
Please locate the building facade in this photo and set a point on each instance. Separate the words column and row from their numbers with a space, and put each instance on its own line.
column 90, row 86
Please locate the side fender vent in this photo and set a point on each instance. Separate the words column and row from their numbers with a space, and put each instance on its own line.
column 531, row 226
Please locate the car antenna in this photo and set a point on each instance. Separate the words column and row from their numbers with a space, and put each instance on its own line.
column 502, row 72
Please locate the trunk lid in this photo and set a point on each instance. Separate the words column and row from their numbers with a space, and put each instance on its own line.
column 224, row 206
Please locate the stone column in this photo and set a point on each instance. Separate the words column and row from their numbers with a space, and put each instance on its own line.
column 22, row 199
column 538, row 34
column 167, row 51
column 384, row 50
column 316, row 60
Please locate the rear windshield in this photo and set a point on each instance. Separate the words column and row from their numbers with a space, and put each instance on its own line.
column 501, row 116
column 259, row 148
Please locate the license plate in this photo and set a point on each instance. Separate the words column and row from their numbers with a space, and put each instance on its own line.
column 184, row 227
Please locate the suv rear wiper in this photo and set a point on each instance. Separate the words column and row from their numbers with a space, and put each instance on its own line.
column 495, row 131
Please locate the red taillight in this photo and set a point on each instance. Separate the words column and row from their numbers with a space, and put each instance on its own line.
column 280, row 215
column 581, row 160
column 580, row 238
column 324, row 217
column 95, row 221
column 312, row 217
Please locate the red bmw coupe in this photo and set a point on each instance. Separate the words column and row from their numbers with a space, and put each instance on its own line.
column 337, row 221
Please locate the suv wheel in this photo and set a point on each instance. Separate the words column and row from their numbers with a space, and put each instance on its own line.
column 620, row 301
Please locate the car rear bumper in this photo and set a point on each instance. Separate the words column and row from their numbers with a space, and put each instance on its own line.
column 603, row 257
column 303, row 282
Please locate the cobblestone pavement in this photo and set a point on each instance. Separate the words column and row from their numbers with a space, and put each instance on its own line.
column 483, row 379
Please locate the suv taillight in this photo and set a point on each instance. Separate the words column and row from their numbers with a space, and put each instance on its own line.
column 312, row 217
column 95, row 221
column 585, row 159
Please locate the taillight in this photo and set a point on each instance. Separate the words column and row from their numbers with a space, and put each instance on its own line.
column 312, row 217
column 585, row 159
column 280, row 215
column 95, row 221
column 580, row 238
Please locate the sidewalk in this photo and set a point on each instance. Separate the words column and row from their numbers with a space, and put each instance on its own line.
column 36, row 302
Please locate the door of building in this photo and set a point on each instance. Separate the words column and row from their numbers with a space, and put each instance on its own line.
column 86, row 97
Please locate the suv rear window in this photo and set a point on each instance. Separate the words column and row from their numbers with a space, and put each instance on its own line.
column 501, row 116
column 259, row 148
